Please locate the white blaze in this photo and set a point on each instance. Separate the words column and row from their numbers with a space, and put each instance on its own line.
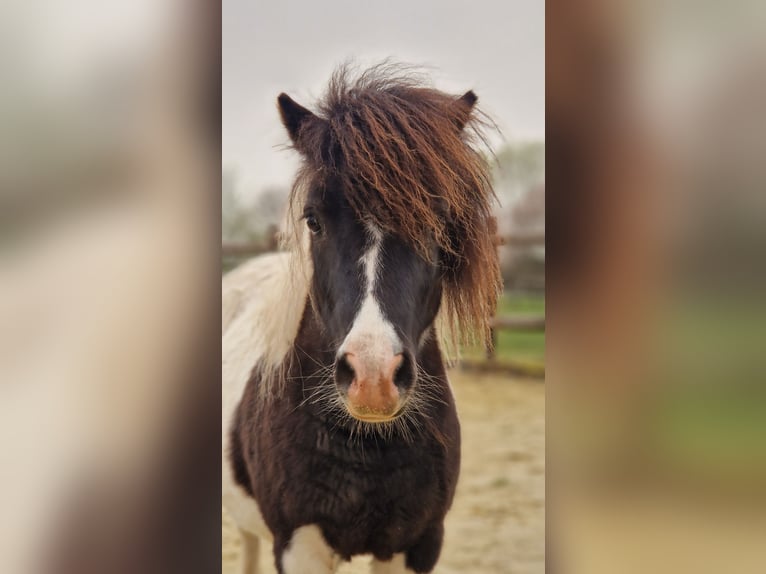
column 371, row 335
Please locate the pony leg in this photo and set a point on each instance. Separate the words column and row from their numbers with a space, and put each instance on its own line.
column 307, row 553
column 251, row 552
column 394, row 566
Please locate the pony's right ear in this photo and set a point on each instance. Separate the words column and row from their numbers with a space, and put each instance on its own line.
column 463, row 107
column 294, row 117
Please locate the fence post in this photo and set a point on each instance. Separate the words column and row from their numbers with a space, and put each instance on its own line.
column 492, row 225
column 273, row 238
column 493, row 344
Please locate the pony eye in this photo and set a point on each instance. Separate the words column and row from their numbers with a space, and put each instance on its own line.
column 313, row 224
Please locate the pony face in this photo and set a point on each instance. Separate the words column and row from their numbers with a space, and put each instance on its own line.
column 397, row 204
column 376, row 298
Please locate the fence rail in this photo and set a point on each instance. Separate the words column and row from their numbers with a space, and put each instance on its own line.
column 246, row 249
column 519, row 322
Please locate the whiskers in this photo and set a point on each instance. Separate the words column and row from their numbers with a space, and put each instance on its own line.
column 322, row 397
column 322, row 394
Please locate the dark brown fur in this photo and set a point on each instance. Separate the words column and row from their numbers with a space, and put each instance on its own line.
column 368, row 495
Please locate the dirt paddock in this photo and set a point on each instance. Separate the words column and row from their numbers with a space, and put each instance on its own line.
column 497, row 522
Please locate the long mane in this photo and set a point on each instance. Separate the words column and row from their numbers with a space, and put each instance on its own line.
column 409, row 159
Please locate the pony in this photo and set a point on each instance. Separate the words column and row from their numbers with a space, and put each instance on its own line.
column 340, row 432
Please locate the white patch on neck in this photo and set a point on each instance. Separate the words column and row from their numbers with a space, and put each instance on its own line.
column 308, row 552
column 370, row 328
column 397, row 565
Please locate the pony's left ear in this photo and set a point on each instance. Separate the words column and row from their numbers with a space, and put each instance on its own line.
column 463, row 106
column 294, row 117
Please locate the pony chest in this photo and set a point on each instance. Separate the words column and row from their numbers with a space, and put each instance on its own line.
column 365, row 472
column 368, row 498
column 322, row 472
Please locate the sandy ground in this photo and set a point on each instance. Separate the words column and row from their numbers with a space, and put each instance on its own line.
column 497, row 522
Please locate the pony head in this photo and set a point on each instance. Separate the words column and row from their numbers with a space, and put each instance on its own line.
column 393, row 203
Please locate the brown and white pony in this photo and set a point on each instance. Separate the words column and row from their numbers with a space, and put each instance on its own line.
column 340, row 435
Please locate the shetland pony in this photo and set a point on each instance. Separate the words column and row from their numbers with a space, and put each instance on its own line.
column 340, row 435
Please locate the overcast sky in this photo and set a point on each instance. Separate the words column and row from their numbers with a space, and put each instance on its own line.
column 496, row 48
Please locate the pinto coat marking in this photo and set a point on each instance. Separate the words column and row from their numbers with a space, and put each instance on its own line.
column 340, row 432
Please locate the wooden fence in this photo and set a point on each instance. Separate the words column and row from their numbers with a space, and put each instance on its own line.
column 240, row 250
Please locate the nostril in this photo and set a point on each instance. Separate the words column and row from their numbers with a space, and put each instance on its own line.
column 344, row 372
column 404, row 374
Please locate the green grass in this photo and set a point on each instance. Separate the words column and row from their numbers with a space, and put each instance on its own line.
column 517, row 346
column 511, row 303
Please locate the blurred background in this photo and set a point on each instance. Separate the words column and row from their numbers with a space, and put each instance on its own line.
column 497, row 49
column 655, row 310
column 109, row 286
